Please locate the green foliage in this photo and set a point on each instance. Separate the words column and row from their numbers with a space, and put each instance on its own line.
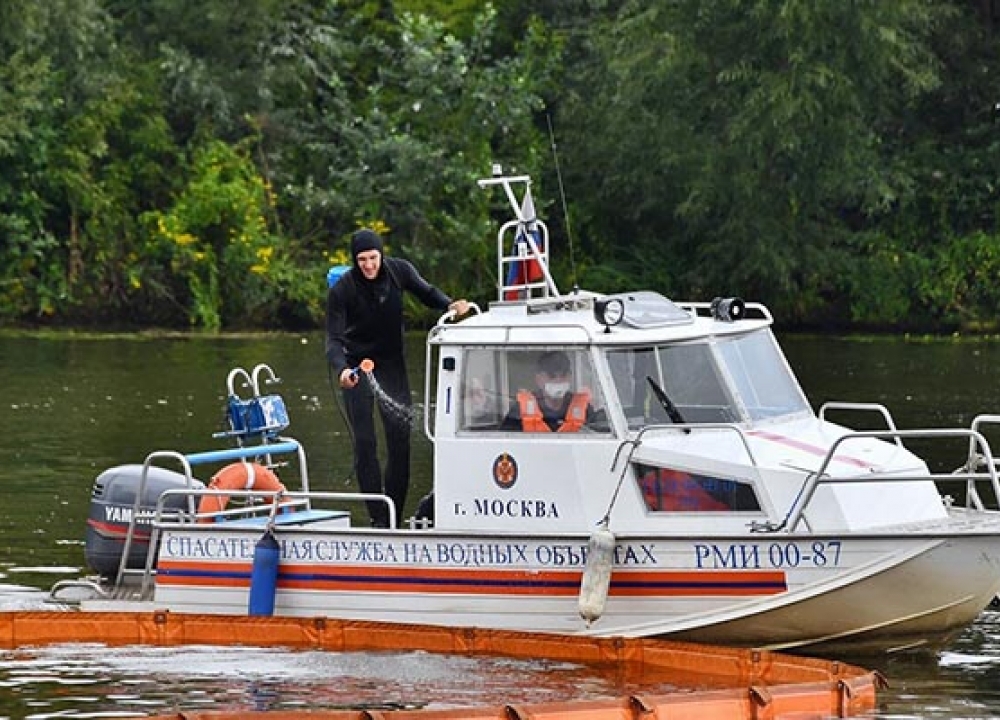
column 952, row 287
column 215, row 57
column 186, row 163
column 962, row 286
column 879, row 287
column 402, row 139
column 29, row 282
column 53, row 77
column 743, row 135
column 458, row 16
column 215, row 237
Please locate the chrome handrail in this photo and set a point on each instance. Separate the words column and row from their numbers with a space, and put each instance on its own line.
column 861, row 407
column 284, row 445
column 690, row 427
column 797, row 509
column 163, row 518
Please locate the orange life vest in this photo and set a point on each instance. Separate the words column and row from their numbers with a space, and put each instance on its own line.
column 676, row 491
column 532, row 419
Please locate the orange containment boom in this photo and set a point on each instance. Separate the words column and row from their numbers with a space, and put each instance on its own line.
column 758, row 684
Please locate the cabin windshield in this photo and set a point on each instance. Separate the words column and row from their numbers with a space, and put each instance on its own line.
column 720, row 380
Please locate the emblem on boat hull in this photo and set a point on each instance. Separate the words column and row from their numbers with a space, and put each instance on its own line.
column 505, row 471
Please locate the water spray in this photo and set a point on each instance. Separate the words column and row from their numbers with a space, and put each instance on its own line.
column 404, row 413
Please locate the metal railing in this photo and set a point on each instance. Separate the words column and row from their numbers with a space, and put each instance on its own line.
column 861, row 407
column 283, row 446
column 796, row 511
column 980, row 466
column 275, row 503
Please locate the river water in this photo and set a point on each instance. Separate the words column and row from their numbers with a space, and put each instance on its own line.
column 73, row 405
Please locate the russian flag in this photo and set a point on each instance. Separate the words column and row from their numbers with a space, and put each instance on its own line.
column 528, row 270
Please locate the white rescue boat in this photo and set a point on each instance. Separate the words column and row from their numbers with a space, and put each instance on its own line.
column 693, row 493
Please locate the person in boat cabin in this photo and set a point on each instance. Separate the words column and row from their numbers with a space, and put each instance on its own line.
column 364, row 320
column 553, row 406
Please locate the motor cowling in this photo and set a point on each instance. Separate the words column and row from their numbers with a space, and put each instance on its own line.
column 112, row 503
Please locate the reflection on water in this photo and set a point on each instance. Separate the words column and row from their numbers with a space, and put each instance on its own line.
column 138, row 678
column 87, row 680
column 73, row 407
column 962, row 681
column 91, row 680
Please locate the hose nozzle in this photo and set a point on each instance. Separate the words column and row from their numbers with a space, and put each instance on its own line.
column 366, row 366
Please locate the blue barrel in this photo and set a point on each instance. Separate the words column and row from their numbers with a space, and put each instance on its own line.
column 335, row 273
column 264, row 576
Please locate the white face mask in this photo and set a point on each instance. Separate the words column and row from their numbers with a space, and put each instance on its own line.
column 555, row 390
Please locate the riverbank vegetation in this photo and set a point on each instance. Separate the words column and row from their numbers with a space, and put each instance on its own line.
column 201, row 164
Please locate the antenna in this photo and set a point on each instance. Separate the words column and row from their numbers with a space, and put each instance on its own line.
column 562, row 197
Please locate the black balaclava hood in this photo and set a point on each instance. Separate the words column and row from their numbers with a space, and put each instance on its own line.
column 362, row 241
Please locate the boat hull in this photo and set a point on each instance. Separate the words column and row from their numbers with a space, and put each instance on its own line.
column 879, row 592
column 919, row 603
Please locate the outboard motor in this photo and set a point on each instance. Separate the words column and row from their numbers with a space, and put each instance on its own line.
column 111, row 505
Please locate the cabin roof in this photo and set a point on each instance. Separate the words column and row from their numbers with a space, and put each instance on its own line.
column 570, row 319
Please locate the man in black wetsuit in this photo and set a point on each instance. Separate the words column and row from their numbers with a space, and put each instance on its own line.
column 364, row 319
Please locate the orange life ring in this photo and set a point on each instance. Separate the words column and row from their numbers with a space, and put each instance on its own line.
column 238, row 476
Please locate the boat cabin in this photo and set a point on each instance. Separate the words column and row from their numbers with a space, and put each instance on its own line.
column 686, row 415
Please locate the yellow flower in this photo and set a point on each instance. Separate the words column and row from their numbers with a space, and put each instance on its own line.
column 378, row 226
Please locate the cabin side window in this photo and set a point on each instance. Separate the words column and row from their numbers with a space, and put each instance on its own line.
column 482, row 395
column 673, row 490
column 531, row 389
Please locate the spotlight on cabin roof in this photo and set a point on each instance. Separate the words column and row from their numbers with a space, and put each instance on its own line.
column 609, row 312
column 728, row 309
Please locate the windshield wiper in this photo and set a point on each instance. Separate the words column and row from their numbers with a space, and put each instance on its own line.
column 672, row 412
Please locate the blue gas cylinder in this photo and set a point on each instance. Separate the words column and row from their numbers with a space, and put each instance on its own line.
column 335, row 273
column 264, row 575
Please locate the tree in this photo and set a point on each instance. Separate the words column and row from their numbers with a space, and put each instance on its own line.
column 392, row 124
column 64, row 96
column 741, row 138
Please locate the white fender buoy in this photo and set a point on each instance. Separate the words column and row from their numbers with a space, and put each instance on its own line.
column 596, row 578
